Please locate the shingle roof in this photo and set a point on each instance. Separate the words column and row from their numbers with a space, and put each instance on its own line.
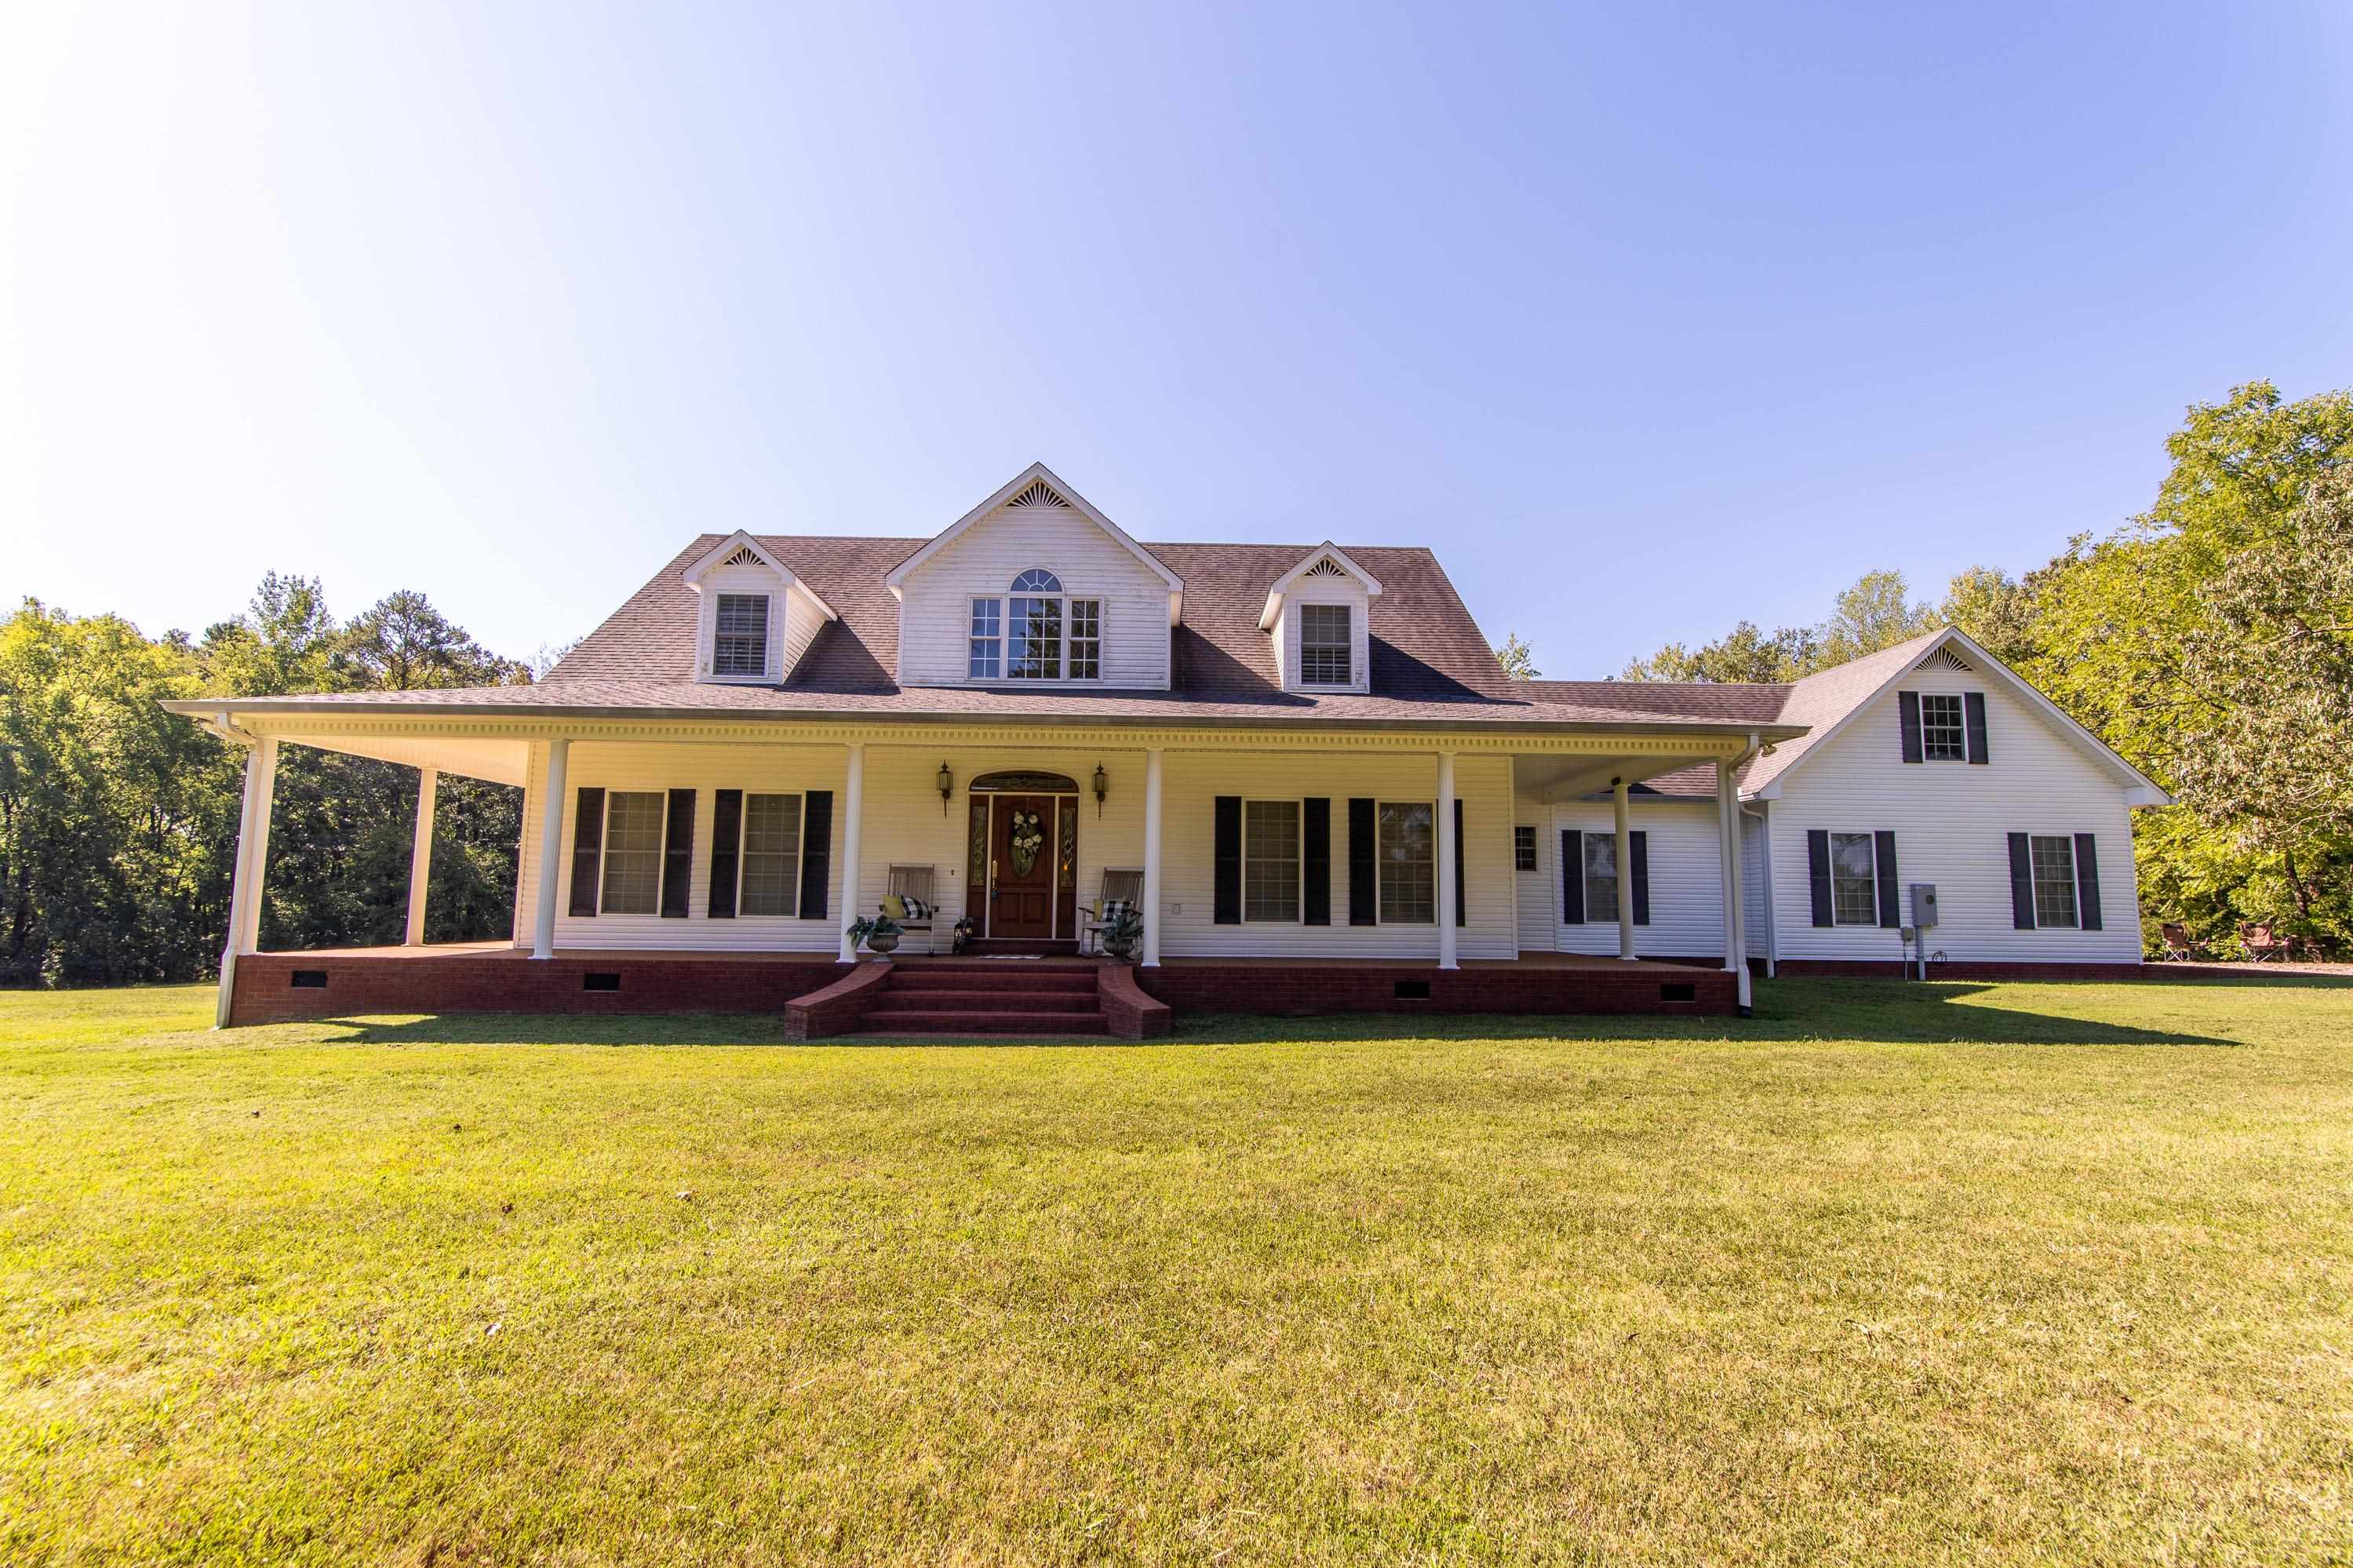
column 1820, row 700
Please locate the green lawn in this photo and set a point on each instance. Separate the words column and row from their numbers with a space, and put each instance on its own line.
column 1948, row 1273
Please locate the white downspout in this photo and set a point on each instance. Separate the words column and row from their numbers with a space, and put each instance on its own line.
column 1760, row 811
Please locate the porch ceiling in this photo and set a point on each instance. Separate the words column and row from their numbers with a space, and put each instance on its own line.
column 1559, row 778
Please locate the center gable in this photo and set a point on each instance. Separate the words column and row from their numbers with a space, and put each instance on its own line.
column 1036, row 589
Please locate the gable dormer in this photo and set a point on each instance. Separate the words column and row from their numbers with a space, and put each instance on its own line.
column 753, row 618
column 1318, row 617
column 1035, row 589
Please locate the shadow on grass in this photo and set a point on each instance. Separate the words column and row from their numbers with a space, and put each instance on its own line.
column 1889, row 1011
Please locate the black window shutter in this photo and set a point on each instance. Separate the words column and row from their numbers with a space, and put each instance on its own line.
column 1572, row 877
column 726, row 845
column 1907, row 716
column 817, row 854
column 1316, row 861
column 1229, row 899
column 1461, row 853
column 1818, row 871
column 1638, row 856
column 587, row 848
column 678, row 854
column 2021, row 883
column 1973, row 713
column 2088, row 882
column 1890, row 891
column 1363, row 891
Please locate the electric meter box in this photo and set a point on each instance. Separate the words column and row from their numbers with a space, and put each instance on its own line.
column 1924, row 904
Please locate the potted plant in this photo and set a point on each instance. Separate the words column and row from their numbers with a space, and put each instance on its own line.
column 1120, row 937
column 880, row 933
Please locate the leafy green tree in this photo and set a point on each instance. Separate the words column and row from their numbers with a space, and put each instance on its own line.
column 1518, row 662
column 1877, row 612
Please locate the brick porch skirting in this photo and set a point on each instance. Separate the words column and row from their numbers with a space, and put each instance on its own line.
column 1888, row 969
column 277, row 987
column 1311, row 986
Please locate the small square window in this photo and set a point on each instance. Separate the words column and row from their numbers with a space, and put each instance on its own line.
column 1524, row 848
column 741, row 644
column 1943, row 738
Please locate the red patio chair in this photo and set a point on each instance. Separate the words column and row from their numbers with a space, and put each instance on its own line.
column 2263, row 944
column 2181, row 947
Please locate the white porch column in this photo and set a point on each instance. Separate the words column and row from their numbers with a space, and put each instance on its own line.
column 1152, row 858
column 1728, row 819
column 853, row 829
column 1447, row 850
column 250, row 868
column 1617, row 788
column 420, row 856
column 551, row 848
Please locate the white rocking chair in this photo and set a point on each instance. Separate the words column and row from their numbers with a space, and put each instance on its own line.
column 1123, row 887
column 913, row 885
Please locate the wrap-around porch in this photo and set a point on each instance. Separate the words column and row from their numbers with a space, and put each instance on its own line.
column 676, row 869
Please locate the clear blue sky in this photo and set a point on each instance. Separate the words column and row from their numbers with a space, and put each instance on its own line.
column 1645, row 318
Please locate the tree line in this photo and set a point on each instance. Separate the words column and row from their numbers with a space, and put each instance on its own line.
column 117, row 820
column 2209, row 640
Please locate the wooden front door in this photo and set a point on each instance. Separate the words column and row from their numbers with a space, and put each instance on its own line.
column 1021, row 881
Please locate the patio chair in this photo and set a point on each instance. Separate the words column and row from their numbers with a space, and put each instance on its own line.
column 1120, row 887
column 2181, row 947
column 912, row 887
column 2262, row 944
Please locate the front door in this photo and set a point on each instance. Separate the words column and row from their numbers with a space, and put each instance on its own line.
column 1022, row 839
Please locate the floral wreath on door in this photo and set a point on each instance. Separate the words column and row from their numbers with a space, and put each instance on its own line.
column 1029, row 834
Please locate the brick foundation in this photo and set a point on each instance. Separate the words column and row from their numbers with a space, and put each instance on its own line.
column 1307, row 989
column 1889, row 969
column 498, row 980
column 1133, row 1015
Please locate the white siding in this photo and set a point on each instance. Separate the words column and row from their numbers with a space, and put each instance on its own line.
column 1951, row 822
column 1686, row 881
column 904, row 826
column 1539, row 894
column 935, row 606
column 1753, row 906
column 1193, row 780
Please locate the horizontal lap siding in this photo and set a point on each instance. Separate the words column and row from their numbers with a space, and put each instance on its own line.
column 1950, row 821
column 934, row 607
column 1686, row 881
column 1193, row 781
column 1538, row 890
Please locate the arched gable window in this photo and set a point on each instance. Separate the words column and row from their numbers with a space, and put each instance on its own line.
column 1036, row 634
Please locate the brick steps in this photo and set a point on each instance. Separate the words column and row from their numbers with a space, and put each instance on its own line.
column 879, row 1022
column 966, row 997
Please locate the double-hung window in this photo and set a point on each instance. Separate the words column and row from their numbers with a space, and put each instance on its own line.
column 1855, row 880
column 1035, row 633
column 1944, row 736
column 1407, row 851
column 988, row 635
column 740, row 641
column 2054, row 860
column 1524, row 848
column 633, row 852
column 1325, row 641
column 1600, row 877
column 770, row 875
column 1271, row 860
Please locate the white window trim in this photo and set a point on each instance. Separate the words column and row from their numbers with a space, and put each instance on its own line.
column 742, row 826
column 2074, row 880
column 1005, row 676
column 1381, row 867
column 1534, row 862
column 1961, row 727
column 1878, row 894
column 768, row 639
column 605, row 856
column 1298, row 857
column 1299, row 607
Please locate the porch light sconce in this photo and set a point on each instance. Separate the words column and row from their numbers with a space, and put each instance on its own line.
column 946, row 781
column 1103, row 787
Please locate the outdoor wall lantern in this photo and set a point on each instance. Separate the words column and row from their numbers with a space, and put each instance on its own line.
column 946, row 782
column 1103, row 787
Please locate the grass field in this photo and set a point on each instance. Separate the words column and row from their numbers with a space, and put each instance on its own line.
column 1948, row 1274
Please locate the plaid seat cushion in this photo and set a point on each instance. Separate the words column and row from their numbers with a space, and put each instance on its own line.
column 917, row 910
column 1115, row 911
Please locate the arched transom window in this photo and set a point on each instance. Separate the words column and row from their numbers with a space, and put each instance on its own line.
column 1036, row 633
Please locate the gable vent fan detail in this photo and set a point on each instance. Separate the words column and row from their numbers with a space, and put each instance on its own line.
column 1039, row 493
column 1327, row 567
column 1945, row 658
column 744, row 556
